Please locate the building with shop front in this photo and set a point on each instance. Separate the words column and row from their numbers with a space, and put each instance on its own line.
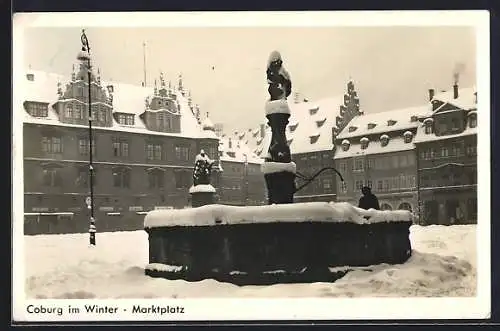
column 145, row 140
column 310, row 133
column 446, row 146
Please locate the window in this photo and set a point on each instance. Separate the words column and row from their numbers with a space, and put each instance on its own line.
column 313, row 111
column 69, row 111
column 384, row 140
column 371, row 163
column 37, row 109
column 120, row 147
column 182, row 153
column 394, row 183
column 102, row 115
column 386, row 184
column 121, row 177
column 327, row 183
column 84, row 146
column 454, row 124
column 380, row 185
column 343, row 167
column 369, row 183
column 444, row 151
column 154, row 151
column 473, row 121
column 364, row 143
column 358, row 164
column 358, row 185
column 343, row 187
column 471, row 150
column 52, row 145
column 428, row 127
column 52, row 177
column 313, row 139
column 160, row 119
column 156, row 178
column 78, row 112
column 82, row 177
column 408, row 136
column 126, row 119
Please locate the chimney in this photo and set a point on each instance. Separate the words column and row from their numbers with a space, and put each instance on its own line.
column 431, row 94
column 229, row 143
column 455, row 91
column 262, row 130
column 30, row 77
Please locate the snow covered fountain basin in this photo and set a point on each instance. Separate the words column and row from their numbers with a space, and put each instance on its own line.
column 285, row 243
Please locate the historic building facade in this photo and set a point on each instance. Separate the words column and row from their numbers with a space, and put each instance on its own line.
column 311, row 132
column 378, row 150
column 446, row 149
column 144, row 144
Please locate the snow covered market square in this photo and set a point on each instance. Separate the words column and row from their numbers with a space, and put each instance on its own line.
column 164, row 164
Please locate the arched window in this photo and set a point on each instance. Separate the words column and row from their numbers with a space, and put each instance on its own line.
column 384, row 140
column 364, row 142
column 428, row 125
column 386, row 206
column 405, row 206
column 345, row 145
column 472, row 119
column 408, row 136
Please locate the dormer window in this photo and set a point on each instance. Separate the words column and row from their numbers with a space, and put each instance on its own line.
column 364, row 142
column 319, row 124
column 413, row 118
column 342, row 110
column 371, row 126
column 391, row 122
column 293, row 127
column 428, row 125
column 352, row 128
column 384, row 140
column 408, row 136
column 231, row 154
column 30, row 77
column 472, row 119
column 259, row 141
column 313, row 111
column 289, row 141
column 314, row 139
column 37, row 109
column 345, row 145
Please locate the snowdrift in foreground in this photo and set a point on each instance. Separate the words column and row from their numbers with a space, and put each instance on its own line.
column 297, row 212
column 63, row 266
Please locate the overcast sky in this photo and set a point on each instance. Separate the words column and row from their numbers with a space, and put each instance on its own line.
column 392, row 67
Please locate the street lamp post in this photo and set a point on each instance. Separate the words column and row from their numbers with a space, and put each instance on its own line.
column 84, row 56
column 246, row 180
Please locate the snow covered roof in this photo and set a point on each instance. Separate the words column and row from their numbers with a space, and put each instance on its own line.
column 395, row 144
column 234, row 150
column 421, row 136
column 307, row 131
column 399, row 118
column 466, row 98
column 127, row 98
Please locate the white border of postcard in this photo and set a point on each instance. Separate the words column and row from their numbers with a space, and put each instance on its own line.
column 269, row 309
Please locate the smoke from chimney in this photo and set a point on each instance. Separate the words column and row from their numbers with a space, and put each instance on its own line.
column 457, row 71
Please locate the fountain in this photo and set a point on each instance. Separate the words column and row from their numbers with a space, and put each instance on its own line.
column 282, row 242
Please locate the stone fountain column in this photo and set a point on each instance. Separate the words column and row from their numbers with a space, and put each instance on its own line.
column 279, row 170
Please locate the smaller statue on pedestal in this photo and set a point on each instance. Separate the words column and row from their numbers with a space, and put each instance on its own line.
column 202, row 169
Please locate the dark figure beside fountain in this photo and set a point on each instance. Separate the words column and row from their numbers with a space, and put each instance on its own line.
column 368, row 200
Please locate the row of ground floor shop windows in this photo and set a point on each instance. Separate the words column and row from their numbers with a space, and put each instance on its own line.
column 383, row 184
column 450, row 211
column 120, row 177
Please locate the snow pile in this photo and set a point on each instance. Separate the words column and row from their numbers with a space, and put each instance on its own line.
column 272, row 167
column 63, row 266
column 279, row 106
column 202, row 188
column 297, row 212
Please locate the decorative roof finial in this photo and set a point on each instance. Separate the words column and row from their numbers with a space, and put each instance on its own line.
column 162, row 79
column 180, row 82
column 156, row 88
column 59, row 90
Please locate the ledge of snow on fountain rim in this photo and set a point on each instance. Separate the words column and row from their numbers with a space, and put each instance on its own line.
column 216, row 214
column 273, row 167
column 202, row 188
column 277, row 107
